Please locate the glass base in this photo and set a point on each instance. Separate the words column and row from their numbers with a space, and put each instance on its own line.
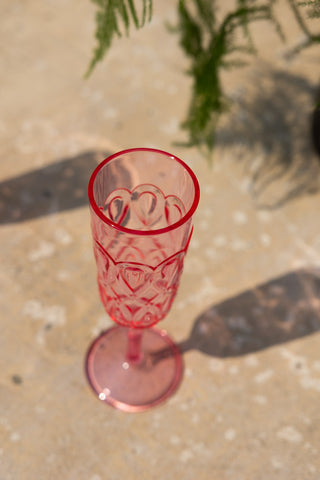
column 138, row 385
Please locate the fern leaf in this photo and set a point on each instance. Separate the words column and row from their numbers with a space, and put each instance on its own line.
column 190, row 32
column 133, row 13
column 245, row 24
column 110, row 14
column 206, row 13
column 196, row 23
column 147, row 6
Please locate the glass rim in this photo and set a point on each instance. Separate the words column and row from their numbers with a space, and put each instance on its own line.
column 132, row 231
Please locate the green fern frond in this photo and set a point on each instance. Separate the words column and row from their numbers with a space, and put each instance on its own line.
column 245, row 24
column 190, row 32
column 111, row 14
column 133, row 13
column 210, row 43
column 206, row 12
column 146, row 12
column 208, row 100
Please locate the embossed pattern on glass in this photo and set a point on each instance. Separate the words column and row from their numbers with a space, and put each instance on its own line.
column 142, row 202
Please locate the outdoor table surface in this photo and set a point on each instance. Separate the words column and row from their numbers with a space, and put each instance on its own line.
column 247, row 314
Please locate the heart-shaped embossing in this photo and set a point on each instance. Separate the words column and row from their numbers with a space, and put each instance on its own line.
column 135, row 277
column 170, row 273
column 144, row 207
column 116, row 206
column 174, row 209
column 106, row 268
column 148, row 204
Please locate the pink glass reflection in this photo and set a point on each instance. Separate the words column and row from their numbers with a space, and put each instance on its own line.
column 142, row 202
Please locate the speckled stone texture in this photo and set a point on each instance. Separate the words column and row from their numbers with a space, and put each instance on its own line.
column 247, row 315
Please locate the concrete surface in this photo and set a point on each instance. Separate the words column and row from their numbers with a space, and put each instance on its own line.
column 247, row 315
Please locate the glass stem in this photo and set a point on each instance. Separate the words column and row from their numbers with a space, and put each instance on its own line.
column 134, row 353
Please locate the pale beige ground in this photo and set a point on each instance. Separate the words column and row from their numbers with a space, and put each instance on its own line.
column 248, row 406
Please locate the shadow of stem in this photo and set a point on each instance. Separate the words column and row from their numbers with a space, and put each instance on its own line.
column 279, row 311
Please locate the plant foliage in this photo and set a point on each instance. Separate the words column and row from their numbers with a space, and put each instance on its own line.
column 213, row 46
column 211, row 43
column 109, row 17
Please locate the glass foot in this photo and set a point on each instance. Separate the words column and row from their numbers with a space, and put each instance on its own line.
column 138, row 385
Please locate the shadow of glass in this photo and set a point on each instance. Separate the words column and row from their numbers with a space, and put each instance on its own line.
column 272, row 119
column 281, row 310
column 45, row 191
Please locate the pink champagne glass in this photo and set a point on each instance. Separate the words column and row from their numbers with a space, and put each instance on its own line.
column 141, row 202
